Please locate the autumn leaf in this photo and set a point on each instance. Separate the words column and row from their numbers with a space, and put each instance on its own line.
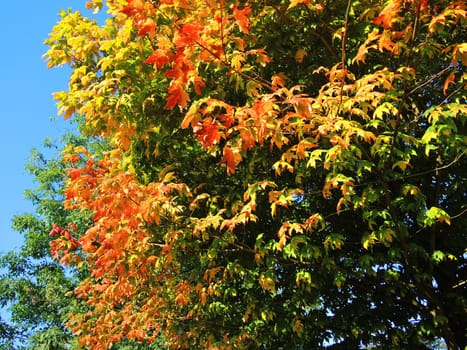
column 294, row 3
column 449, row 80
column 158, row 58
column 207, row 132
column 388, row 14
column 188, row 34
column 177, row 96
column 231, row 157
column 133, row 7
column 148, row 26
column 300, row 55
column 460, row 54
column 241, row 18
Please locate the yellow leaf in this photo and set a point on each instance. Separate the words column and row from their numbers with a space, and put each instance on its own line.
column 281, row 165
column 195, row 203
column 300, row 55
column 267, row 283
column 368, row 240
column 294, row 3
column 237, row 60
column 402, row 165
column 80, row 149
column 297, row 327
column 460, row 54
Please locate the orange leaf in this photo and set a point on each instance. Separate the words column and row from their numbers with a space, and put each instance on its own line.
column 231, row 157
column 276, row 82
column 448, row 81
column 386, row 17
column 207, row 132
column 188, row 34
column 158, row 58
column 241, row 16
column 177, row 96
column 133, row 7
column 148, row 26
column 198, row 83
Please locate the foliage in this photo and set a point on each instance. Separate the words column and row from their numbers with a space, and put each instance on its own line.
column 282, row 174
column 35, row 288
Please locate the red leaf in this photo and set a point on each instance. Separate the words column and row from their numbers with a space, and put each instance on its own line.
column 148, row 26
column 424, row 5
column 177, row 96
column 207, row 132
column 56, row 230
column 231, row 157
column 158, row 58
column 242, row 19
column 198, row 83
column 188, row 34
column 133, row 7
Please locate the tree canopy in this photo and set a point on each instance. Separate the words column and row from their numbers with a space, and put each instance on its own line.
column 37, row 290
column 280, row 174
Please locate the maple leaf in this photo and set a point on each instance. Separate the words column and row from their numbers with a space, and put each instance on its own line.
column 241, row 17
column 177, row 96
column 460, row 54
column 147, row 26
column 198, row 84
column 207, row 132
column 300, row 55
column 385, row 43
column 231, row 157
column 449, row 80
column 424, row 4
column 133, row 7
column 388, row 14
column 158, row 58
column 188, row 34
column 277, row 81
column 56, row 230
column 294, row 3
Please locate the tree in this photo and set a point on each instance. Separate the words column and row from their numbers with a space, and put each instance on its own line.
column 38, row 290
column 35, row 288
column 282, row 174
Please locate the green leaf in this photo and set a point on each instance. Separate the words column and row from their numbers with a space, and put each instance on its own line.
column 433, row 215
column 438, row 256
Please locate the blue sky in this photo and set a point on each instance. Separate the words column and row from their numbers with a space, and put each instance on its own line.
column 28, row 108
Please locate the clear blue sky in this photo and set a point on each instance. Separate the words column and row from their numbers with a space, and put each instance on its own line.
column 27, row 110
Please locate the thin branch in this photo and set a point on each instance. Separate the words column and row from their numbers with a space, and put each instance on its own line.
column 460, row 284
column 402, row 178
column 343, row 57
column 429, row 80
column 447, row 98
column 221, row 10
column 239, row 246
column 344, row 36
column 458, row 215
column 454, row 161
